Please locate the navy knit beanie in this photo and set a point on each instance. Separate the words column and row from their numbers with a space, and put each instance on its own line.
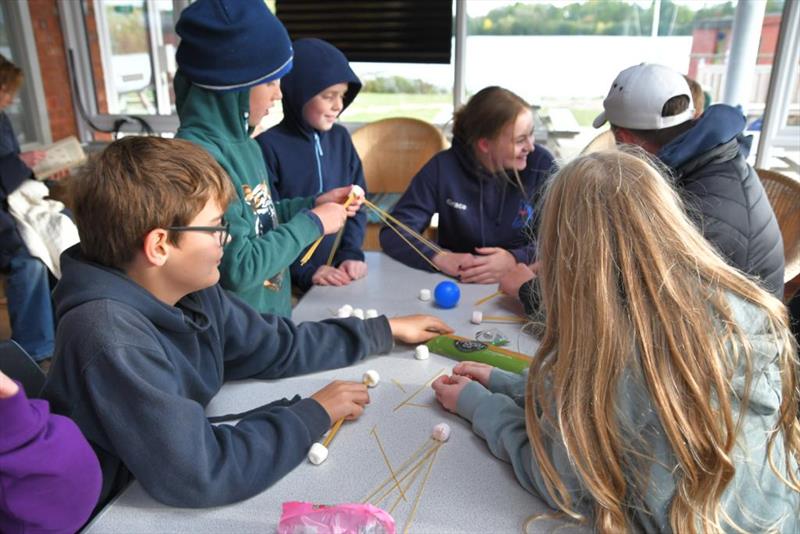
column 231, row 45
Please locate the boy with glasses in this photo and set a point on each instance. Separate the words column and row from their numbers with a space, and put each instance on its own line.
column 146, row 337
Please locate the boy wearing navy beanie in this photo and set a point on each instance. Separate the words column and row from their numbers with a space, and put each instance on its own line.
column 226, row 48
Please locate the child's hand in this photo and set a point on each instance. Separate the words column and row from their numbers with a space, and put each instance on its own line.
column 8, row 388
column 337, row 196
column 414, row 329
column 355, row 269
column 332, row 215
column 330, row 276
column 32, row 158
column 513, row 279
column 448, row 389
column 451, row 263
column 343, row 399
column 480, row 372
column 491, row 264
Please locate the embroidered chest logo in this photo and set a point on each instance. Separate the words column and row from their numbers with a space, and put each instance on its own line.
column 524, row 215
column 266, row 218
column 457, row 205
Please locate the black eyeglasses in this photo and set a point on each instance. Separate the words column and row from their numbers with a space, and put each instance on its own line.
column 223, row 230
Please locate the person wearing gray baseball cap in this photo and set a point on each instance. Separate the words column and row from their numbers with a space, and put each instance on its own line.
column 651, row 106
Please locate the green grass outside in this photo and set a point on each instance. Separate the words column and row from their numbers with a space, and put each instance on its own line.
column 369, row 107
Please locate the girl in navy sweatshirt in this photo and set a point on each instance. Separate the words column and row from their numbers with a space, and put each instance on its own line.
column 484, row 189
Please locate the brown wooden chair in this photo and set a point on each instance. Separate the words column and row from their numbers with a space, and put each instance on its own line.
column 603, row 141
column 392, row 151
column 784, row 196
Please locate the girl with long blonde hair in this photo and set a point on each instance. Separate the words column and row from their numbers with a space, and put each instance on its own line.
column 664, row 394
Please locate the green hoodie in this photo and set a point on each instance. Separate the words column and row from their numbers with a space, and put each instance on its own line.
column 755, row 498
column 266, row 236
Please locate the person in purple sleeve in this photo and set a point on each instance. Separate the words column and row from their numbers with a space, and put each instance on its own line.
column 49, row 476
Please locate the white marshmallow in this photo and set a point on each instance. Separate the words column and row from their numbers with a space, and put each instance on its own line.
column 372, row 313
column 477, row 317
column 441, row 432
column 318, row 453
column 371, row 378
column 358, row 312
column 422, row 352
column 344, row 312
column 357, row 190
column 424, row 294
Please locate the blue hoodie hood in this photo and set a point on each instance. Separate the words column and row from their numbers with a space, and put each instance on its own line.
column 302, row 161
column 317, row 65
column 718, row 125
column 84, row 281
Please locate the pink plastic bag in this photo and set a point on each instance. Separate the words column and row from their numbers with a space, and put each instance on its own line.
column 310, row 518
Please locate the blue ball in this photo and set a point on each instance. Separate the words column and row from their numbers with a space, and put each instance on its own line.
column 446, row 294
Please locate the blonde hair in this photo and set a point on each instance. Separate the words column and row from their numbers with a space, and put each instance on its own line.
column 628, row 282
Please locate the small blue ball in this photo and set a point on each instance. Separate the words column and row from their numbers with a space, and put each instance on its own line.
column 446, row 294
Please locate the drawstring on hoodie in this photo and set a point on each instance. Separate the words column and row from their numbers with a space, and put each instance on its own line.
column 317, row 154
column 499, row 217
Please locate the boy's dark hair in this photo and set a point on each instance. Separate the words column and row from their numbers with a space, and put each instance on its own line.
column 673, row 106
column 10, row 76
column 138, row 184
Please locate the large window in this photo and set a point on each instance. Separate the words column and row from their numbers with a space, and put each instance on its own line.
column 137, row 43
column 563, row 55
column 25, row 112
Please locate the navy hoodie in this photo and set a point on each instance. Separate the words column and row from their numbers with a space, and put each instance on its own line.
column 476, row 209
column 13, row 172
column 303, row 161
column 136, row 374
column 725, row 196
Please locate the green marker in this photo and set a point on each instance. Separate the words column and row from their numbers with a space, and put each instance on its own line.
column 464, row 349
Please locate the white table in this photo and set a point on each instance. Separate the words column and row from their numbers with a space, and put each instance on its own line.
column 468, row 490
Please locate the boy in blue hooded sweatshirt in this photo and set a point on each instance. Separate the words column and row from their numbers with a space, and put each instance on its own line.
column 308, row 154
column 228, row 47
column 146, row 337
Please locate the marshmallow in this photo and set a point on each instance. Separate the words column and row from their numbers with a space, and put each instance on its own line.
column 318, row 453
column 357, row 191
column 424, row 294
column 371, row 378
column 422, row 352
column 344, row 312
column 477, row 317
column 358, row 312
column 441, row 432
column 372, row 313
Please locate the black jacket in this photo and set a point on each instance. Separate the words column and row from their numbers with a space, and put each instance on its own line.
column 725, row 196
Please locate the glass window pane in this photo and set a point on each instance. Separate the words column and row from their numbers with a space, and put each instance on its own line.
column 137, row 43
column 18, row 111
column 421, row 91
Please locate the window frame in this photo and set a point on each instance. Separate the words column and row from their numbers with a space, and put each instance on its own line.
column 73, row 25
column 23, row 45
column 775, row 131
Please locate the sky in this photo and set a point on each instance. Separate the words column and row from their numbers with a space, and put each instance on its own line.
column 476, row 8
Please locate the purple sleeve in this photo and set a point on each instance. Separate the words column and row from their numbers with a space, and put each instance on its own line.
column 49, row 476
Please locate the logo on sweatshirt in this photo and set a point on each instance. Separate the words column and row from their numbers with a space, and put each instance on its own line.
column 266, row 218
column 524, row 215
column 457, row 205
